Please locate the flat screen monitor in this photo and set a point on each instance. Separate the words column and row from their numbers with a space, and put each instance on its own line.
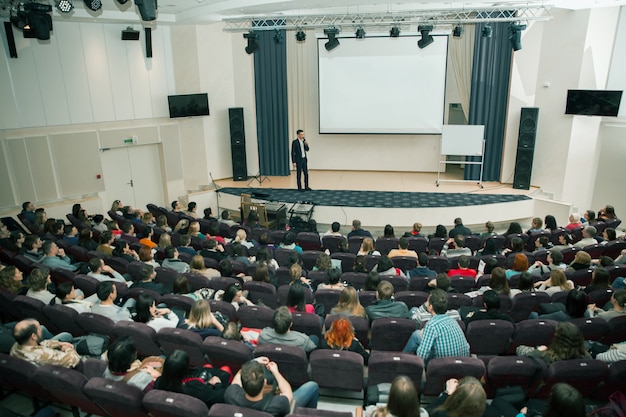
column 593, row 102
column 188, row 105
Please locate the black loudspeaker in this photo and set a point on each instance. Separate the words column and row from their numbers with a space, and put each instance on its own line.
column 10, row 39
column 148, row 32
column 238, row 144
column 525, row 147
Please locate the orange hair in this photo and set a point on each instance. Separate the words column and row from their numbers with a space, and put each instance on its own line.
column 341, row 334
column 520, row 263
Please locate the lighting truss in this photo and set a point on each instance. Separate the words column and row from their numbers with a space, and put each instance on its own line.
column 383, row 21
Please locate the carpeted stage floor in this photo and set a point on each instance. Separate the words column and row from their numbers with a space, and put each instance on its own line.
column 376, row 199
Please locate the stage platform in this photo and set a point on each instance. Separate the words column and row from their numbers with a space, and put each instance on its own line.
column 399, row 199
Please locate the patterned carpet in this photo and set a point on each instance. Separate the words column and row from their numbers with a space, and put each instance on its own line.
column 381, row 199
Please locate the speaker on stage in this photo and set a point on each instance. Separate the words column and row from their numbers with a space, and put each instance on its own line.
column 525, row 147
column 238, row 144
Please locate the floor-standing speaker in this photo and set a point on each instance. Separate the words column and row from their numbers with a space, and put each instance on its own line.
column 238, row 144
column 525, row 147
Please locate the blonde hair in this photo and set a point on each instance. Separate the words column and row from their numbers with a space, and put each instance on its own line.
column 197, row 263
column 193, row 229
column 200, row 315
column 296, row 272
column 582, row 257
column 349, row 303
column 367, row 245
column 165, row 240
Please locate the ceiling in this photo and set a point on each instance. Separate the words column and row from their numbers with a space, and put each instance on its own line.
column 196, row 11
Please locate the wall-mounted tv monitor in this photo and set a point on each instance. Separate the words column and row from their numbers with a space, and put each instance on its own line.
column 189, row 105
column 593, row 102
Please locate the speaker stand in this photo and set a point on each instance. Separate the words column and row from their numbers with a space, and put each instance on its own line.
column 259, row 178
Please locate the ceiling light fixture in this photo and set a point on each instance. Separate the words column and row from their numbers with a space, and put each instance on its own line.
column 427, row 39
column 253, row 43
column 300, row 35
column 487, row 31
column 360, row 33
column 333, row 42
column 515, row 35
column 64, row 6
column 457, row 32
column 93, row 5
column 394, row 32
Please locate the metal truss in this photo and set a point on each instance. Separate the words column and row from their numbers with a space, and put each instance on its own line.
column 442, row 17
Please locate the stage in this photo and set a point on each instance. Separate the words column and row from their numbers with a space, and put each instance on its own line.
column 399, row 199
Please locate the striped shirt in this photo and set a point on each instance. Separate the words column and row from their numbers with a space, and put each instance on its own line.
column 442, row 337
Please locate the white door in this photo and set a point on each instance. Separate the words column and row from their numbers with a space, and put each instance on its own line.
column 133, row 175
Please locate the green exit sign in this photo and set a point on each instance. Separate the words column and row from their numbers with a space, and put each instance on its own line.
column 129, row 140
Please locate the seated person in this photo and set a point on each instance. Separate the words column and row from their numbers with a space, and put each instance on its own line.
column 66, row 295
column 173, row 262
column 55, row 257
column 124, row 365
column 31, row 347
column 490, row 310
column 568, row 343
column 147, row 312
column 250, row 389
column 280, row 333
column 385, row 306
column 38, row 281
column 403, row 249
column 422, row 269
column 617, row 310
column 147, row 274
column 458, row 249
column 334, row 275
column 296, row 300
column 202, row 321
column 107, row 294
column 403, row 401
column 463, row 270
column 103, row 272
column 341, row 336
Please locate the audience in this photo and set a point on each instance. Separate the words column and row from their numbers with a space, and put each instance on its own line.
column 568, row 343
column 403, row 401
column 280, row 333
column 341, row 336
column 385, row 306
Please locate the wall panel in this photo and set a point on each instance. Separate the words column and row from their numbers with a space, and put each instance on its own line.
column 52, row 84
column 8, row 107
column 94, row 50
column 18, row 161
column 160, row 84
column 27, row 89
column 138, row 64
column 117, row 63
column 77, row 162
column 41, row 167
column 6, row 196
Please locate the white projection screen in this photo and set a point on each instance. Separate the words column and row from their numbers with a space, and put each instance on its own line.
column 382, row 85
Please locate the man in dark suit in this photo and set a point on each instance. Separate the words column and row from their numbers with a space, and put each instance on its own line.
column 299, row 148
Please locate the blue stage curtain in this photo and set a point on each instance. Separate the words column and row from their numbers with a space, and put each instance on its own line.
column 489, row 97
column 270, row 83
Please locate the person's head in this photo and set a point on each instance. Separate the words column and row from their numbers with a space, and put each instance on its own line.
column 536, row 223
column 601, row 278
column 128, row 227
column 384, row 291
column 282, row 320
column 39, row 278
column 334, row 227
column 403, row 243
column 161, row 221
column 295, row 258
column 464, row 261
column 459, row 241
column 403, row 399
column 95, row 265
column 49, row 248
column 367, row 245
column 295, row 271
column 558, row 279
column 590, row 216
column 289, row 239
column 171, row 252
column 438, row 301
column 145, row 308
column 252, row 378
column 180, row 285
column 565, row 239
column 417, row 228
column 241, row 235
column 197, row 263
column 490, row 247
column 175, row 369
column 28, row 206
column 261, row 274
column 208, row 213
column 458, row 221
column 121, row 246
column 609, row 211
column 441, row 231
column 147, row 218
column 422, row 259
column 295, row 297
column 40, row 218
column 231, row 332
column 498, row 281
column 388, row 231
column 489, row 226
column 514, row 228
column 565, row 401
column 11, row 278
column 526, row 282
column 491, row 300
column 340, row 334
column 582, row 258
column 520, row 263
column 542, row 242
column 175, row 205
column 384, row 264
column 574, row 218
column 568, row 343
column 590, row 232
column 121, row 354
column 192, row 206
column 550, row 222
column 106, row 291
column 490, row 264
column 147, row 273
column 16, row 240
column 27, row 332
column 117, row 204
column 609, row 234
column 372, row 281
column 348, row 300
column 356, row 224
column 443, row 281
column 145, row 254
column 226, row 267
column 517, row 244
column 555, row 257
column 84, row 235
column 468, row 400
column 232, row 293
column 193, row 229
column 334, row 274
column 619, row 298
column 576, row 303
column 253, row 218
column 359, row 264
column 200, row 314
column 323, row 262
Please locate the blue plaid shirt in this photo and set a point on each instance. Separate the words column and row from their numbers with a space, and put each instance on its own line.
column 442, row 337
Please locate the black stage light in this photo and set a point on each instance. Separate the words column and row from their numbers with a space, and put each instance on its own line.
column 360, row 33
column 147, row 9
column 64, row 6
column 457, row 32
column 333, row 42
column 300, row 35
column 515, row 35
column 394, row 32
column 487, row 31
column 427, row 39
column 122, row 1
column 93, row 5
column 278, row 36
column 37, row 20
column 253, row 43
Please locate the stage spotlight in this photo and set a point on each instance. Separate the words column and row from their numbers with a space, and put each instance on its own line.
column 36, row 20
column 515, row 35
column 427, row 39
column 457, row 32
column 253, row 43
column 147, row 9
column 64, row 6
column 394, row 32
column 333, row 42
column 360, row 33
column 300, row 35
column 278, row 36
column 487, row 31
column 122, row 1
column 93, row 5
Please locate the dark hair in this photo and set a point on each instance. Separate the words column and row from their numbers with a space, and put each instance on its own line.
column 403, row 399
column 443, row 281
column 173, row 204
column 384, row 264
column 441, row 231
column 94, row 264
column 261, row 274
column 491, row 299
column 142, row 308
column 191, row 205
column 388, row 231
column 180, row 285
column 170, row 252
column 30, row 240
column 514, row 229
column 263, row 254
column 610, row 233
column 556, row 256
column 226, row 267
column 439, row 301
column 252, row 377
column 121, row 354
column 468, row 400
column 22, row 334
column 282, row 319
column 550, row 222
column 576, row 303
column 517, row 244
column 568, row 343
column 120, row 245
column 490, row 247
column 372, row 281
column 295, row 297
column 104, row 289
column 175, row 369
column 75, row 209
column 63, row 289
column 333, row 275
column 498, row 281
column 25, row 205
column 565, row 401
column 422, row 259
column 335, row 227
column 601, row 277
column 490, row 264
column 145, row 271
column 230, row 292
column 289, row 238
column 568, row 238
column 526, row 282
column 359, row 264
